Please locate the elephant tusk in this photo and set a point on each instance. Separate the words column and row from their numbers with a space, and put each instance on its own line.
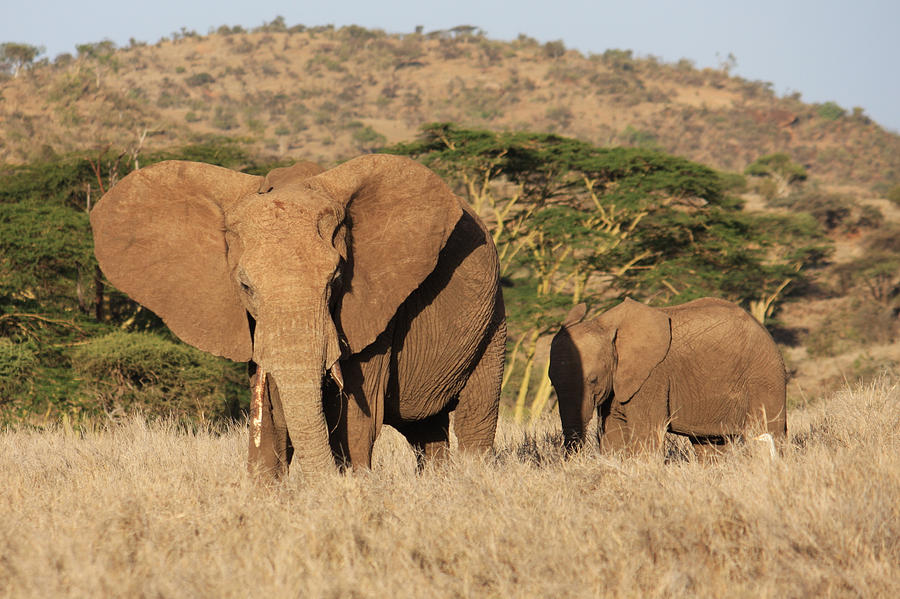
column 337, row 376
column 256, row 408
column 769, row 442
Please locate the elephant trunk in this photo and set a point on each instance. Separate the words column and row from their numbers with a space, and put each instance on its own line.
column 575, row 400
column 301, row 398
column 293, row 356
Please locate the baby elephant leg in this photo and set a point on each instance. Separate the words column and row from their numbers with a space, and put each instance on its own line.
column 636, row 426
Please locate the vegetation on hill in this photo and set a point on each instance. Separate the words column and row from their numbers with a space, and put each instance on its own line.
column 326, row 93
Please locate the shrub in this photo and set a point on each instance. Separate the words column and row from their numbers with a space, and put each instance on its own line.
column 893, row 194
column 143, row 371
column 225, row 118
column 830, row 111
column 365, row 137
column 621, row 60
column 560, row 116
column 833, row 211
column 554, row 49
column 16, row 361
column 861, row 323
column 199, row 79
column 631, row 136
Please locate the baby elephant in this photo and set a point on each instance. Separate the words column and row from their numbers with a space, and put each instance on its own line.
column 705, row 369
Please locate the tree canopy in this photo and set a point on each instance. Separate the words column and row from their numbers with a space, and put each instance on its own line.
column 595, row 223
column 15, row 56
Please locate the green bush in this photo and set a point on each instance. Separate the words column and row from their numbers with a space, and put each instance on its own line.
column 831, row 210
column 142, row 371
column 16, row 361
column 198, row 79
column 225, row 118
column 893, row 194
column 861, row 323
column 830, row 111
column 365, row 137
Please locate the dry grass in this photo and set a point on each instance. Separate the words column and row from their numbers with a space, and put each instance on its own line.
column 147, row 510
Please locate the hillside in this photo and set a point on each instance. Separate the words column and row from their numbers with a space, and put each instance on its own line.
column 325, row 94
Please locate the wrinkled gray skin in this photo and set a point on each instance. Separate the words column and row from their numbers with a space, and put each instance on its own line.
column 361, row 295
column 705, row 369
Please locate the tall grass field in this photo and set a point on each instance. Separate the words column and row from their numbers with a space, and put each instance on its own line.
column 138, row 509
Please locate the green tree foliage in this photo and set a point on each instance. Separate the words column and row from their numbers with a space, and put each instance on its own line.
column 101, row 54
column 778, row 173
column 893, row 194
column 584, row 221
column 198, row 79
column 14, row 57
column 57, row 312
column 17, row 361
column 830, row 111
column 875, row 273
column 145, row 371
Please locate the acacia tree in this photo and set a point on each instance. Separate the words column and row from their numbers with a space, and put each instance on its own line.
column 15, row 56
column 102, row 54
column 778, row 171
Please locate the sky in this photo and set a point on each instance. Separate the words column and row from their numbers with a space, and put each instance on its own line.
column 827, row 50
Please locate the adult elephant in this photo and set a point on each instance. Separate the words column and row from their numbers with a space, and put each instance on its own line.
column 705, row 369
column 361, row 295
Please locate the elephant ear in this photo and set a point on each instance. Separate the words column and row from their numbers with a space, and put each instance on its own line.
column 399, row 215
column 643, row 336
column 279, row 177
column 575, row 315
column 159, row 237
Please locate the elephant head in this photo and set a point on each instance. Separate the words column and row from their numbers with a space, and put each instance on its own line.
column 606, row 358
column 293, row 271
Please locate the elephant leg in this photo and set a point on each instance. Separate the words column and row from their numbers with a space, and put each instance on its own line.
column 475, row 417
column 430, row 438
column 271, row 457
column 355, row 414
column 640, row 424
column 613, row 432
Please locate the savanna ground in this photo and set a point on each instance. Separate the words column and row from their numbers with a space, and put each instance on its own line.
column 135, row 510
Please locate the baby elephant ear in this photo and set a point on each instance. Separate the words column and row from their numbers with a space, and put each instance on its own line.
column 159, row 236
column 399, row 215
column 575, row 315
column 643, row 337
